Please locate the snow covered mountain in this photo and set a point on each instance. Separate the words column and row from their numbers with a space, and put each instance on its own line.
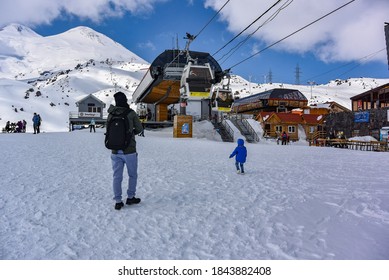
column 25, row 54
column 49, row 74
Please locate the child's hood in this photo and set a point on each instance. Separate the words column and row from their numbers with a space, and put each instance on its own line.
column 240, row 142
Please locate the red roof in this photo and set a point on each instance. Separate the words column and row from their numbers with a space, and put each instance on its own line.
column 313, row 119
column 264, row 114
column 290, row 118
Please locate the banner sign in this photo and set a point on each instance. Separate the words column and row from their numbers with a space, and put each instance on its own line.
column 88, row 115
column 361, row 117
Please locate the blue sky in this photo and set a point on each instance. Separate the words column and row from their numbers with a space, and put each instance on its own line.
column 348, row 43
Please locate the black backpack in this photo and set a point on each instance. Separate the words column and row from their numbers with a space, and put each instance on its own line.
column 118, row 133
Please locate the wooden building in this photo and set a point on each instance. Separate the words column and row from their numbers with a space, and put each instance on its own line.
column 89, row 107
column 274, row 100
column 274, row 124
column 325, row 108
column 370, row 112
column 375, row 98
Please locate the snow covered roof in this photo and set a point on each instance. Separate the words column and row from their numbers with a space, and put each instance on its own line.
column 293, row 117
column 278, row 93
column 84, row 97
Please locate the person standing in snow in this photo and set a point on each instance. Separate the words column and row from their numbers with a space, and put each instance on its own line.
column 240, row 154
column 39, row 123
column 36, row 123
column 92, row 125
column 284, row 138
column 127, row 157
column 24, row 125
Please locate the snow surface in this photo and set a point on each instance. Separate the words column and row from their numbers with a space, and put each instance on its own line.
column 295, row 202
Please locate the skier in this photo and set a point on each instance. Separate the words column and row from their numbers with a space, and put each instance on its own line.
column 240, row 154
column 92, row 125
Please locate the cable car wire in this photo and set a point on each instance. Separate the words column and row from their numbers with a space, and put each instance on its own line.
column 191, row 38
column 291, row 34
column 212, row 18
column 258, row 18
column 241, row 43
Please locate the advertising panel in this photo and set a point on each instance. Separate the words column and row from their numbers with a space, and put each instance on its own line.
column 361, row 117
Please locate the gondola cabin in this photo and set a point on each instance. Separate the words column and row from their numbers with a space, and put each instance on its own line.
column 222, row 100
column 196, row 81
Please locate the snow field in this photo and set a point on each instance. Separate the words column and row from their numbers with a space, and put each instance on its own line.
column 295, row 202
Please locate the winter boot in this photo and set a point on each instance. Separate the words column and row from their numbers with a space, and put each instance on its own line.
column 119, row 205
column 133, row 200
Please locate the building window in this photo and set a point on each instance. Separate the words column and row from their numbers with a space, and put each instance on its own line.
column 94, row 109
column 311, row 129
column 278, row 128
column 291, row 129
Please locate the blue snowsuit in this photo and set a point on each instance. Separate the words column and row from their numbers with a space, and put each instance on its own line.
column 240, row 154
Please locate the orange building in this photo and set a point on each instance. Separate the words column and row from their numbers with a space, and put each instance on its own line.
column 292, row 123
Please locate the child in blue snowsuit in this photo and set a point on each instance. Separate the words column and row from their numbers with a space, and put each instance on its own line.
column 240, row 154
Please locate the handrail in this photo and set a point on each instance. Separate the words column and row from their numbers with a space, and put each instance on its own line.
column 228, row 129
column 354, row 144
column 251, row 130
column 316, row 135
column 245, row 123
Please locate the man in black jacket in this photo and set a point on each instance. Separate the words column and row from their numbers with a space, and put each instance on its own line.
column 127, row 157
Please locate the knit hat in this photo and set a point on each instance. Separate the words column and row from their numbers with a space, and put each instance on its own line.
column 121, row 99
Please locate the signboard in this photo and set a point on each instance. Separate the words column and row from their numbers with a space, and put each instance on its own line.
column 361, row 117
column 88, row 115
column 185, row 128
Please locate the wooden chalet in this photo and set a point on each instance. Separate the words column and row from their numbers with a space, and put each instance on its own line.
column 274, row 124
column 274, row 100
column 375, row 98
column 326, row 108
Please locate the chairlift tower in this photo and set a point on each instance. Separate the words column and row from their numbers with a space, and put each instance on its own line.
column 311, row 83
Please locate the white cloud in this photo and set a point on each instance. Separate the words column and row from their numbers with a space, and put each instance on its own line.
column 35, row 12
column 349, row 34
column 147, row 45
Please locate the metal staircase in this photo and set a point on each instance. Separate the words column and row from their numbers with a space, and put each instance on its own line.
column 225, row 131
column 245, row 128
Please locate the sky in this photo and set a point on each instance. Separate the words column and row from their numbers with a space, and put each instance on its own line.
column 347, row 43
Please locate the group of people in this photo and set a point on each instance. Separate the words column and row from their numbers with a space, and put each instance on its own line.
column 21, row 126
column 18, row 127
column 283, row 137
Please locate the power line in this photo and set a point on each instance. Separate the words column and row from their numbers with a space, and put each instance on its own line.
column 293, row 33
column 367, row 57
column 247, row 27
